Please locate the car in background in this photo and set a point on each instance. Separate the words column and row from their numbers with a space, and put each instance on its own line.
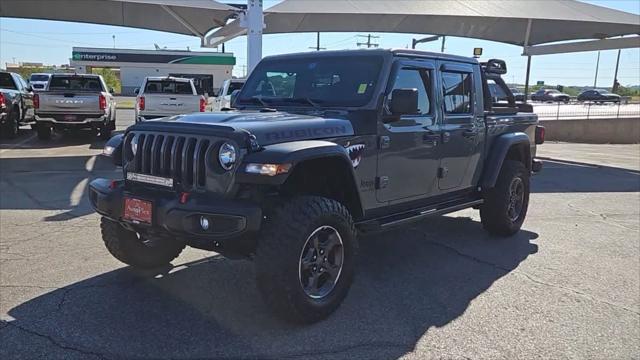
column 167, row 96
column 599, row 96
column 73, row 102
column 16, row 103
column 550, row 95
column 223, row 100
column 38, row 81
column 518, row 95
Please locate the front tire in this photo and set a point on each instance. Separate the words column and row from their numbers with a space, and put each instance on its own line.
column 132, row 249
column 305, row 260
column 505, row 206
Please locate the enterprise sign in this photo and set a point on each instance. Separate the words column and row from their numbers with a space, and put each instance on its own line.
column 157, row 58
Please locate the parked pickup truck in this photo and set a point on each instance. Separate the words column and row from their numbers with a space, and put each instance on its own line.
column 75, row 101
column 16, row 103
column 320, row 148
column 167, row 96
column 223, row 100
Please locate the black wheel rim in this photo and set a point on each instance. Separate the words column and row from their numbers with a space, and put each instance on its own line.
column 516, row 199
column 321, row 262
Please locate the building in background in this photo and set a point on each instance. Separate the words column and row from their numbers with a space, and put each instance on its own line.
column 208, row 69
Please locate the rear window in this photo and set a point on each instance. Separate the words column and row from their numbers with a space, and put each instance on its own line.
column 168, row 87
column 39, row 78
column 77, row 83
column 235, row 86
column 6, row 82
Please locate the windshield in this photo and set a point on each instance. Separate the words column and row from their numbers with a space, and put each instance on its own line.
column 168, row 87
column 322, row 81
column 78, row 83
column 39, row 78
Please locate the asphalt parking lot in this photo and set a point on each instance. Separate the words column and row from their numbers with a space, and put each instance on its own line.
column 566, row 286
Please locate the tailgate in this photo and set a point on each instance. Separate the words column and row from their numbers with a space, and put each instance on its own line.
column 171, row 104
column 69, row 103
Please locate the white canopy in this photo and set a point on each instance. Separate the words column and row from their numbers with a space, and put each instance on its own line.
column 522, row 22
column 189, row 17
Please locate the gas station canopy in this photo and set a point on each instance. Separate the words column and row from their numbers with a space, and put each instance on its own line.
column 189, row 17
column 523, row 22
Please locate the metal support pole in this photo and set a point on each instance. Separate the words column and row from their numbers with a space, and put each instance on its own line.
column 595, row 80
column 255, row 23
column 318, row 41
column 614, row 88
column 526, row 82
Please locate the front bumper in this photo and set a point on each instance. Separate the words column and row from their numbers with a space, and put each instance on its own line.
column 227, row 218
column 536, row 165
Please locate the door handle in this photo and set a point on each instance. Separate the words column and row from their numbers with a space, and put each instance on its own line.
column 470, row 133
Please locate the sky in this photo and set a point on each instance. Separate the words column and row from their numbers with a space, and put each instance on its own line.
column 50, row 42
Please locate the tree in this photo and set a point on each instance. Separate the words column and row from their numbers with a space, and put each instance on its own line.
column 110, row 77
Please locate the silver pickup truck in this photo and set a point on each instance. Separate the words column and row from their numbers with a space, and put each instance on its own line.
column 75, row 101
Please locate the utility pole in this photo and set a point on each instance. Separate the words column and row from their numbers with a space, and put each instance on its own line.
column 442, row 48
column 616, row 84
column 317, row 47
column 114, row 41
column 595, row 81
column 368, row 43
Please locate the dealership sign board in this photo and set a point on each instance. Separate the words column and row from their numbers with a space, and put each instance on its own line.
column 157, row 58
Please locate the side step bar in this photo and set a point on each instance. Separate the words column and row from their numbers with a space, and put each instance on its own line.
column 414, row 215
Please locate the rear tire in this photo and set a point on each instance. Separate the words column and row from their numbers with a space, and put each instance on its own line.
column 12, row 126
column 126, row 246
column 505, row 205
column 305, row 260
column 44, row 131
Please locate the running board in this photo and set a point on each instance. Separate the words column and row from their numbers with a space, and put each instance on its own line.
column 413, row 215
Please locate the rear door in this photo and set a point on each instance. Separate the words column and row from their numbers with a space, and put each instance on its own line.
column 170, row 97
column 407, row 157
column 463, row 124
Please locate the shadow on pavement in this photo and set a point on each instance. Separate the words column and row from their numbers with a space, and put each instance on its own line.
column 408, row 281
column 559, row 176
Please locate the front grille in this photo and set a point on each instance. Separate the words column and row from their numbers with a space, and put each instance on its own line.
column 173, row 156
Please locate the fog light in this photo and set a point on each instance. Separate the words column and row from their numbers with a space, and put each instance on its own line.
column 204, row 223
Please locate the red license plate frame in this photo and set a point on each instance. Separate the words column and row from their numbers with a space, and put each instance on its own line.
column 137, row 210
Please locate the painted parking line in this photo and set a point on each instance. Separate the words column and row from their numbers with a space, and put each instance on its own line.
column 18, row 144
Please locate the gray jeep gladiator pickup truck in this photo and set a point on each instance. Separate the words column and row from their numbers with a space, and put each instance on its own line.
column 319, row 148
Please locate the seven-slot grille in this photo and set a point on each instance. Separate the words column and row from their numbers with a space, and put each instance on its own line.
column 181, row 157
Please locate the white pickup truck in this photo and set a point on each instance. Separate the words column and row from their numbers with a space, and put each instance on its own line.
column 223, row 100
column 166, row 96
column 75, row 101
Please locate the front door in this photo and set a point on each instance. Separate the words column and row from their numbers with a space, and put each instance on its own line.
column 463, row 125
column 407, row 158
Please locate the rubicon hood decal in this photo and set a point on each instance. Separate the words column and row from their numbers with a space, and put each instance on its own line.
column 355, row 154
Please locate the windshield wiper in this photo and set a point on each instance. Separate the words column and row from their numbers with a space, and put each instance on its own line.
column 307, row 100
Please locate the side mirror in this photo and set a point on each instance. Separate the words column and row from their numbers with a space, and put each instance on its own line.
column 136, row 91
column 234, row 96
column 113, row 149
column 404, row 101
column 111, row 91
column 29, row 88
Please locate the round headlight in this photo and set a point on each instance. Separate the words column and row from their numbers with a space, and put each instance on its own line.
column 134, row 145
column 227, row 156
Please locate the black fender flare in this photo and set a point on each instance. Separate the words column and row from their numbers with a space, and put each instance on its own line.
column 116, row 143
column 498, row 153
column 293, row 153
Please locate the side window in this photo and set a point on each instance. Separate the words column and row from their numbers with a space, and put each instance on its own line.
column 458, row 92
column 411, row 78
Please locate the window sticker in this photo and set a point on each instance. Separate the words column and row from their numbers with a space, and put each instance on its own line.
column 362, row 88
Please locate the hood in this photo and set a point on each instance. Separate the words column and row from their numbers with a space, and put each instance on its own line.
column 268, row 127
